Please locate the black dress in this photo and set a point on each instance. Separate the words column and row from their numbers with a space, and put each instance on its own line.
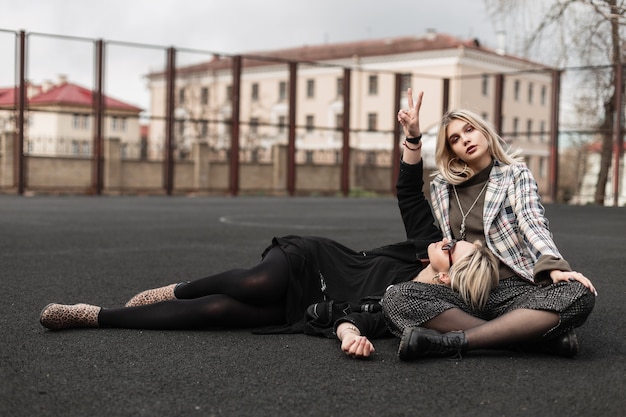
column 322, row 269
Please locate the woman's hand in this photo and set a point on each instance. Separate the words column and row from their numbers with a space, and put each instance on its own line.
column 357, row 346
column 560, row 276
column 352, row 343
column 409, row 119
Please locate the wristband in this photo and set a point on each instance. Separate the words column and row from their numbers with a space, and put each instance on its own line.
column 409, row 148
column 414, row 140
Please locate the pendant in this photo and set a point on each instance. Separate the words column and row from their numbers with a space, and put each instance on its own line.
column 463, row 230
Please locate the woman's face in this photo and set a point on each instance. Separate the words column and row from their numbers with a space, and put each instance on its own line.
column 440, row 256
column 468, row 144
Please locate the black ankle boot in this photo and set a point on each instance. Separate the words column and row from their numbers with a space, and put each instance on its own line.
column 419, row 342
column 565, row 345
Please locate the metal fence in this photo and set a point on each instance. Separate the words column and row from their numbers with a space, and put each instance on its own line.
column 117, row 75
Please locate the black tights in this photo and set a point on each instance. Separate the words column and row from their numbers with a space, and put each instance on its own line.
column 237, row 298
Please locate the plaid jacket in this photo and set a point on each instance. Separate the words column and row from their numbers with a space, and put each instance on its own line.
column 516, row 230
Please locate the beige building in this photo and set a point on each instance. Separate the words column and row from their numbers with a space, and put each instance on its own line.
column 203, row 96
column 59, row 120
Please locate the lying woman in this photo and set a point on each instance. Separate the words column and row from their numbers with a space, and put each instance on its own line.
column 296, row 272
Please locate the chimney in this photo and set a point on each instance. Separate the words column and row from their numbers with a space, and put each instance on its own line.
column 46, row 85
column 431, row 34
column 501, row 40
column 62, row 79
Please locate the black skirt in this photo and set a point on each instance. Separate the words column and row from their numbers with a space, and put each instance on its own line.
column 322, row 269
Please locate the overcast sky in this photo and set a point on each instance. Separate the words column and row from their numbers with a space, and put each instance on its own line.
column 226, row 26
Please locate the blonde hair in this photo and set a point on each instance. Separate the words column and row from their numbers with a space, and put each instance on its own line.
column 475, row 275
column 454, row 169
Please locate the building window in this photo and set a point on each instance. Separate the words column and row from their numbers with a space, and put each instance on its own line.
column 371, row 122
column 255, row 92
column 181, row 96
column 530, row 93
column 310, row 88
column 405, row 81
column 485, row 116
column 181, row 128
column 204, row 95
column 485, row 85
column 282, row 123
column 373, row 85
column 515, row 126
column 254, row 125
column 339, row 121
column 542, row 131
column 516, row 90
column 229, row 93
column 310, row 122
column 79, row 121
column 340, row 86
column 529, row 129
column 228, row 127
column 282, row 91
column 204, row 129
column 118, row 123
column 543, row 95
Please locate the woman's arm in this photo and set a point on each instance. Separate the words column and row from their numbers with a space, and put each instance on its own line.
column 410, row 121
column 534, row 227
column 414, row 208
column 354, row 331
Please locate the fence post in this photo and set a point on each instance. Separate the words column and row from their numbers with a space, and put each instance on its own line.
column 395, row 153
column 554, row 134
column 291, row 155
column 234, row 142
column 618, row 131
column 168, row 175
column 345, row 156
column 97, row 177
column 19, row 167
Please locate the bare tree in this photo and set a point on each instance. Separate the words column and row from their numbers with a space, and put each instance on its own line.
column 567, row 33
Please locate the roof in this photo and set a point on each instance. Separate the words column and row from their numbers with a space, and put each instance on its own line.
column 64, row 94
column 7, row 96
column 326, row 52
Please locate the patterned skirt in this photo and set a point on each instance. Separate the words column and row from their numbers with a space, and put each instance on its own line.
column 411, row 304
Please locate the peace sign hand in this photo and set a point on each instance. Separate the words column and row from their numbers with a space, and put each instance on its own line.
column 409, row 119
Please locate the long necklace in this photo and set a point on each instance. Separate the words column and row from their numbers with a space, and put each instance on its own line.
column 464, row 215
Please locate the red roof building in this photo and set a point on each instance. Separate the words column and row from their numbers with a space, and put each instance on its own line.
column 59, row 120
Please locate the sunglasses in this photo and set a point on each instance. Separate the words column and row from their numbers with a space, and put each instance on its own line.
column 449, row 247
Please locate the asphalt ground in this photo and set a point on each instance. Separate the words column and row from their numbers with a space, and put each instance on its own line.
column 102, row 250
